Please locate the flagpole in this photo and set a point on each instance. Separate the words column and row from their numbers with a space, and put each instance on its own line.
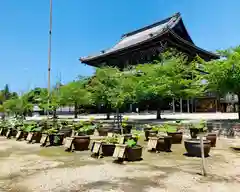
column 49, row 56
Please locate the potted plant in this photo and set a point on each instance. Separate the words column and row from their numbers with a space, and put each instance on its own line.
column 213, row 138
column 164, row 143
column 33, row 131
column 108, row 145
column 133, row 151
column 82, row 139
column 86, row 129
column 126, row 126
column 193, row 147
column 55, row 138
column 103, row 129
column 196, row 128
column 66, row 128
column 4, row 126
column 173, row 131
column 150, row 131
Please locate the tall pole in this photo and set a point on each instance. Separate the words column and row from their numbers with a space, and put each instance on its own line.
column 49, row 56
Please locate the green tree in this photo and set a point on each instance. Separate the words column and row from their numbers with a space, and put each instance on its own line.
column 75, row 94
column 223, row 76
column 50, row 102
column 18, row 106
column 101, row 86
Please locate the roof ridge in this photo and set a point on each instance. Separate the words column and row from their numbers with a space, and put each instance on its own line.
column 177, row 15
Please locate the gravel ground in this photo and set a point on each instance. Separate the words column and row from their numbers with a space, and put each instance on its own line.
column 27, row 167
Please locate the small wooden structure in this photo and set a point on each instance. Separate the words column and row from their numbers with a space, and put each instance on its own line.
column 19, row 134
column 119, row 151
column 29, row 137
column 68, row 143
column 96, row 147
column 152, row 143
column 44, row 140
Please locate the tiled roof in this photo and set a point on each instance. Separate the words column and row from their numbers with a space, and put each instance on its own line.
column 138, row 36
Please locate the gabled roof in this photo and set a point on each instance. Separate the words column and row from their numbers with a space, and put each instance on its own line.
column 145, row 34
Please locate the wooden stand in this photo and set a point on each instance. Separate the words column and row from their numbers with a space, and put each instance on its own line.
column 19, row 134
column 1, row 130
column 96, row 149
column 152, row 143
column 43, row 140
column 8, row 134
column 73, row 133
column 68, row 144
column 119, row 152
column 29, row 137
column 121, row 141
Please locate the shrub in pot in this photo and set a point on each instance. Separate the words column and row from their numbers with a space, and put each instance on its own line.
column 164, row 143
column 150, row 131
column 133, row 151
column 103, row 129
column 196, row 128
column 213, row 138
column 55, row 138
column 108, row 145
column 173, row 131
column 81, row 143
column 126, row 126
column 4, row 126
column 86, row 130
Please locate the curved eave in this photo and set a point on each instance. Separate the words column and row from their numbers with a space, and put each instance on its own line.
column 213, row 55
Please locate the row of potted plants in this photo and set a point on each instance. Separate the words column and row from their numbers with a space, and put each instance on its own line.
column 172, row 134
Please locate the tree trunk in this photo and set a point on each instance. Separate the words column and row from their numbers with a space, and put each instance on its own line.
column 181, row 105
column 55, row 114
column 159, row 113
column 108, row 116
column 108, row 113
column 75, row 110
column 238, row 105
column 173, row 105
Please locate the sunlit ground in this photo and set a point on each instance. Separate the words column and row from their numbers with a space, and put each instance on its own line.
column 28, row 167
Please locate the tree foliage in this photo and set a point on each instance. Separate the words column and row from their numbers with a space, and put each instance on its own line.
column 223, row 76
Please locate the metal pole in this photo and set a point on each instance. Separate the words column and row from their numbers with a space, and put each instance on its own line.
column 204, row 173
column 49, row 56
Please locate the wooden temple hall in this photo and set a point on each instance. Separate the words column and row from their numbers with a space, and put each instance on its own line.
column 145, row 45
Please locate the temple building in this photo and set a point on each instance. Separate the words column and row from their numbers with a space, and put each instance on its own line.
column 146, row 44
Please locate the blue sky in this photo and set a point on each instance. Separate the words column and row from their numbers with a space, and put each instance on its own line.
column 83, row 27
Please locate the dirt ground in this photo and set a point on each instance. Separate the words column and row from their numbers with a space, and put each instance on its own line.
column 28, row 167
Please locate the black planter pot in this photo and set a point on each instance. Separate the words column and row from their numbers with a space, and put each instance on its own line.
column 56, row 139
column 133, row 153
column 193, row 147
column 194, row 132
column 149, row 133
column 108, row 149
column 164, row 144
column 127, row 129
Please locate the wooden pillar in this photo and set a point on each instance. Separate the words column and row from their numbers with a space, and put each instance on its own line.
column 188, row 107
column 181, row 105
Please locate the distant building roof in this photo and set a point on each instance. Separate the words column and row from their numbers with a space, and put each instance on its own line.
column 148, row 33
